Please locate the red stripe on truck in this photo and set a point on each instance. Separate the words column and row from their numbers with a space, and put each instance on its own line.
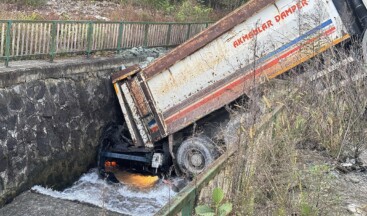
column 240, row 80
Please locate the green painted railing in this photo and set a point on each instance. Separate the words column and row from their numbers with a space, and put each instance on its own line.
column 36, row 39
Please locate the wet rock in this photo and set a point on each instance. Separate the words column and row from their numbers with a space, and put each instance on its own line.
column 134, row 51
column 62, row 96
column 29, row 109
column 16, row 102
column 362, row 158
column 48, row 110
column 356, row 210
column 150, row 59
column 21, row 148
column 348, row 164
column 3, row 106
column 20, row 164
column 52, row 88
column 3, row 132
column 354, row 180
column 36, row 90
column 1, row 184
column 32, row 121
column 3, row 160
column 3, row 109
column 11, row 144
column 42, row 144
column 12, row 120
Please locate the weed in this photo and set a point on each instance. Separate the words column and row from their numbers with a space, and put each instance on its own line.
column 190, row 11
column 217, row 208
column 27, row 2
column 270, row 172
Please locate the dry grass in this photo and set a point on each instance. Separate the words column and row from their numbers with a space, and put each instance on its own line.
column 270, row 176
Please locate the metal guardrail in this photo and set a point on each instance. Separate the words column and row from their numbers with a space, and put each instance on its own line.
column 184, row 202
column 34, row 39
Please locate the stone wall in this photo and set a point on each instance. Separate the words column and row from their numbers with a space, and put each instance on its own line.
column 50, row 121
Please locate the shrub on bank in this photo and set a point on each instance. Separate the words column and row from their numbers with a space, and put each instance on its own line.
column 27, row 2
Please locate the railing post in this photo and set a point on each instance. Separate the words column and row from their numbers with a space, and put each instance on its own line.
column 168, row 39
column 53, row 41
column 146, row 35
column 119, row 38
column 189, row 206
column 188, row 31
column 89, row 39
column 7, row 43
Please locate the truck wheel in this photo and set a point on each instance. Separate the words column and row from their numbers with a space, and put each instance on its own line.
column 195, row 154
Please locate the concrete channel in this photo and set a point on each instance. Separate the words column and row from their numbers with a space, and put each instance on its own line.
column 30, row 203
column 51, row 117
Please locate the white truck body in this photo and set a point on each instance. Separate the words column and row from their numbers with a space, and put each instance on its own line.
column 258, row 41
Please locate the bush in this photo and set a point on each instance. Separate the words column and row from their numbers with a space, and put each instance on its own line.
column 190, row 12
column 27, row 2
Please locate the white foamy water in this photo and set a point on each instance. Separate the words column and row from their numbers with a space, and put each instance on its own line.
column 114, row 197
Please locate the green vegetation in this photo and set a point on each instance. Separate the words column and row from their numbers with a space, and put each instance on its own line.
column 26, row 2
column 193, row 12
column 217, row 208
column 182, row 11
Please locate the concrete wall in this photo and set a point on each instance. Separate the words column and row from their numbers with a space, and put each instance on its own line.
column 50, row 121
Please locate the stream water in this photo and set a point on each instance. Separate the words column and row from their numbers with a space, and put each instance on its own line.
column 122, row 198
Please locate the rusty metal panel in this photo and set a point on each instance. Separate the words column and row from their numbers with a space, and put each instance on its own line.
column 125, row 73
column 136, row 117
column 139, row 98
column 128, row 119
column 158, row 116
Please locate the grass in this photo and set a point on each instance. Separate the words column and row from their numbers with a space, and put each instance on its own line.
column 330, row 122
column 271, row 173
column 35, row 3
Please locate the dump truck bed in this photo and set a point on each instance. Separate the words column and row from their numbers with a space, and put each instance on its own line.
column 260, row 40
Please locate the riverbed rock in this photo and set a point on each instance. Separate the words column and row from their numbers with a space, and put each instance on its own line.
column 356, row 209
column 362, row 158
column 354, row 180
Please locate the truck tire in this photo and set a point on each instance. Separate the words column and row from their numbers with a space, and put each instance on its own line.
column 195, row 154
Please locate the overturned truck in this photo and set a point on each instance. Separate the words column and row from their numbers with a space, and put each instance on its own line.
column 165, row 104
